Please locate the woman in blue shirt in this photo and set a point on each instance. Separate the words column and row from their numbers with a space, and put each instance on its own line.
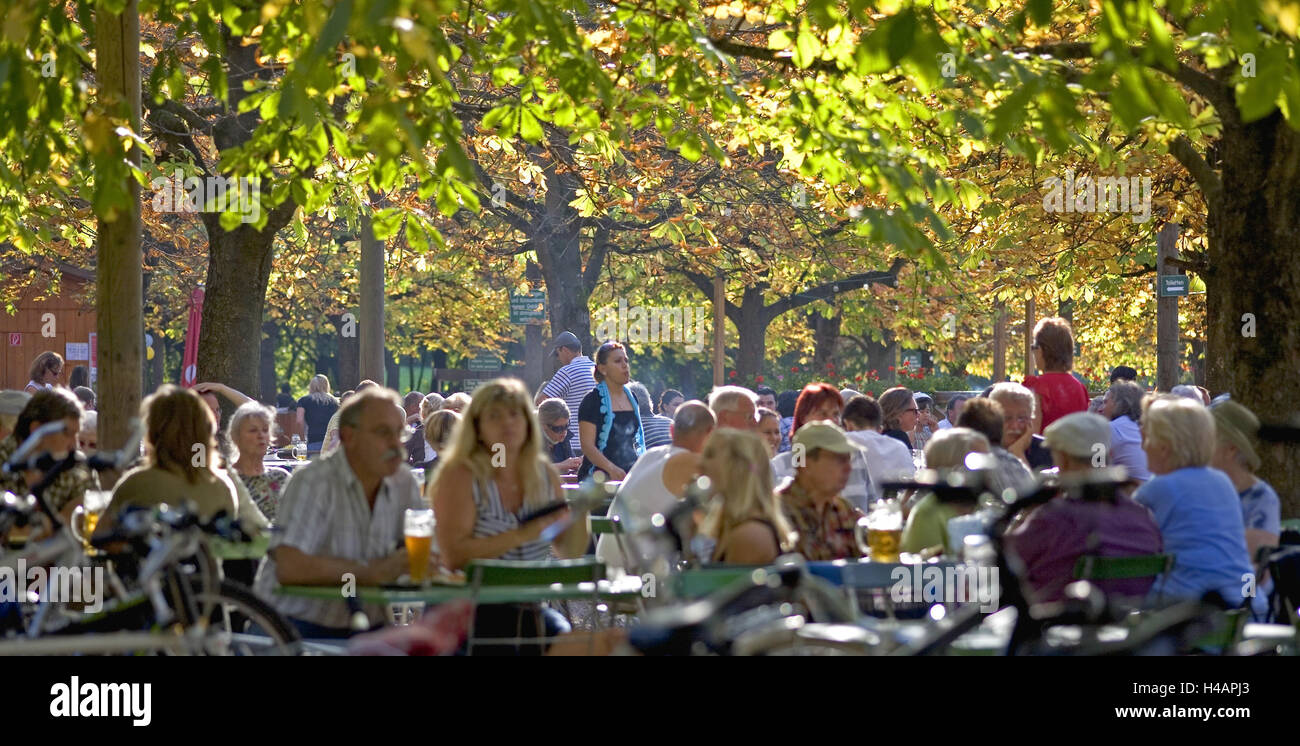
column 1196, row 507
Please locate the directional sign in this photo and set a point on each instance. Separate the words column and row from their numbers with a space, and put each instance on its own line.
column 1173, row 285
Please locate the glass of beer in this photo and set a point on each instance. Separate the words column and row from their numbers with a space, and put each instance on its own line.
column 86, row 516
column 884, row 531
column 419, row 542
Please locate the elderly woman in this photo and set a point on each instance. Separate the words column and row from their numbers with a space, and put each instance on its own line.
column 1196, row 507
column 489, row 481
column 1058, row 392
column 1123, row 407
column 745, row 522
column 178, row 429
column 555, row 417
column 927, row 523
column 44, row 407
column 249, row 433
column 1018, row 407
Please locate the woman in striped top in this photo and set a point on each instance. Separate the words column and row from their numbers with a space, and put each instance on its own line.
column 494, row 473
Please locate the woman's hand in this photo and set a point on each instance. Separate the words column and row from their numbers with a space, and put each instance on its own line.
column 616, row 474
column 532, row 530
column 570, row 464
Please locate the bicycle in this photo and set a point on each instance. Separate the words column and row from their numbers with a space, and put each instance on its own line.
column 165, row 581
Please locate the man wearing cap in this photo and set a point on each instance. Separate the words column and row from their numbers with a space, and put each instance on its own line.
column 1053, row 537
column 1235, row 431
column 825, row 520
column 571, row 382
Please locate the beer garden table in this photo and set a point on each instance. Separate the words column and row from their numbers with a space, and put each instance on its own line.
column 626, row 588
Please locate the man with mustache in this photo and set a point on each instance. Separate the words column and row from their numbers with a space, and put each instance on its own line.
column 344, row 515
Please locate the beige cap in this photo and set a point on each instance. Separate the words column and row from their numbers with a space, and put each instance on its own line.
column 1077, row 433
column 824, row 435
column 12, row 402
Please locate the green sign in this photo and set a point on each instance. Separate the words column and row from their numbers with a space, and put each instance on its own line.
column 1173, row 285
column 912, row 359
column 484, row 361
column 526, row 307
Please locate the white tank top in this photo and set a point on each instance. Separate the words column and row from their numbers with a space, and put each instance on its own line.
column 641, row 495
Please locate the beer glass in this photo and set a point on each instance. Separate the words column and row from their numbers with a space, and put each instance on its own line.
column 883, row 527
column 87, row 515
column 419, row 542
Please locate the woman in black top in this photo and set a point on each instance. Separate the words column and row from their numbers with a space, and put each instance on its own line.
column 609, row 422
column 899, row 414
column 315, row 410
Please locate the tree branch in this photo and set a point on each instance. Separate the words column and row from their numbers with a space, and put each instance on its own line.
column 1205, row 176
column 834, row 287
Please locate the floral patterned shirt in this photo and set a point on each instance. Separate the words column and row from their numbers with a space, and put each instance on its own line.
column 825, row 532
column 265, row 489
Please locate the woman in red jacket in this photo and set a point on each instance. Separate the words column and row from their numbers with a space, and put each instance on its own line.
column 1058, row 392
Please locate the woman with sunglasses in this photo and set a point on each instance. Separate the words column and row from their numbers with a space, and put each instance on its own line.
column 609, row 422
column 899, row 413
column 554, row 416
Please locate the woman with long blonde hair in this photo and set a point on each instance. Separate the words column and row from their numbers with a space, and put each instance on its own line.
column 493, row 475
column 745, row 519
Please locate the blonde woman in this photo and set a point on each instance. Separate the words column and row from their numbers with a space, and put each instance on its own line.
column 487, row 482
column 745, row 521
column 1195, row 506
column 316, row 410
column 181, row 460
column 899, row 413
column 927, row 523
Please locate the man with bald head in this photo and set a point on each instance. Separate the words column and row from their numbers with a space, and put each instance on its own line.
column 343, row 515
column 659, row 478
column 734, row 406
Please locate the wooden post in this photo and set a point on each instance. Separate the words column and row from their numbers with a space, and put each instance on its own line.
column 999, row 342
column 1030, row 368
column 371, row 288
column 719, row 327
column 1166, row 310
column 119, row 288
column 534, row 345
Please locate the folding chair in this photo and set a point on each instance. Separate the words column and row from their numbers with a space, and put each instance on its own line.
column 540, row 574
column 1091, row 567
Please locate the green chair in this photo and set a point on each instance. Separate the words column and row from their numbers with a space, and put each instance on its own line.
column 484, row 572
column 603, row 525
column 1291, row 523
column 706, row 580
column 1090, row 567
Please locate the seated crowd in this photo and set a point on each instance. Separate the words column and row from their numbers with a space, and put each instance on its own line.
column 776, row 482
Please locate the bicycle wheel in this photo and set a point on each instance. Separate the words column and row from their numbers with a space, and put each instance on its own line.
column 277, row 636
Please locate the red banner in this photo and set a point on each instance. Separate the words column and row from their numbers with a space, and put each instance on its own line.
column 190, row 362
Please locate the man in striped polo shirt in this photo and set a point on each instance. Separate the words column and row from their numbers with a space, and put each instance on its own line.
column 571, row 382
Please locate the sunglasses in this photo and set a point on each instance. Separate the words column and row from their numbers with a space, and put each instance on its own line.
column 557, row 428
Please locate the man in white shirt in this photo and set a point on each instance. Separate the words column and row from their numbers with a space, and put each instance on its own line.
column 344, row 515
column 886, row 458
column 659, row 478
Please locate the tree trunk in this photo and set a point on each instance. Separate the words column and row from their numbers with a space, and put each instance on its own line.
column 881, row 355
column 392, row 370
column 826, row 334
column 348, row 356
column 270, row 343
column 119, row 299
column 1252, row 283
column 371, row 315
column 751, row 320
column 239, row 267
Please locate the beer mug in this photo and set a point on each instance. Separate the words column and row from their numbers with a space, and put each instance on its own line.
column 419, row 542
column 883, row 529
column 87, row 516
